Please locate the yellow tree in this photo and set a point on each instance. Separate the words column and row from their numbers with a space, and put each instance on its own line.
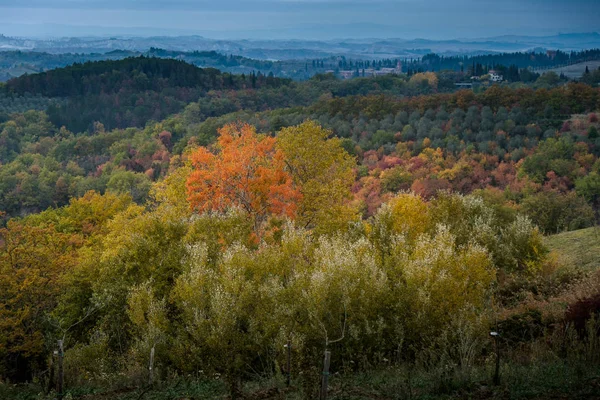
column 246, row 171
column 170, row 194
column 410, row 214
column 44, row 290
column 429, row 77
column 32, row 261
column 323, row 171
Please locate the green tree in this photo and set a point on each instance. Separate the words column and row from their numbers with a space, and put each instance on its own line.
column 323, row 171
column 554, row 212
column 131, row 183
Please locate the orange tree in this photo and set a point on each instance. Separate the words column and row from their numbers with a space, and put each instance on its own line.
column 245, row 170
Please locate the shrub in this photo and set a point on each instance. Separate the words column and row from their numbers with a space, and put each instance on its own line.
column 524, row 327
column 554, row 212
column 580, row 312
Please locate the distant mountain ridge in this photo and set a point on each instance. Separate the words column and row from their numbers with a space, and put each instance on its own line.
column 286, row 49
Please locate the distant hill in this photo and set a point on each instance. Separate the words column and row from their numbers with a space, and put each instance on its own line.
column 564, row 41
column 137, row 73
column 382, row 45
column 14, row 63
column 127, row 92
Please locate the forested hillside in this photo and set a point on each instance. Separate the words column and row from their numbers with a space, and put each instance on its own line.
column 126, row 92
column 212, row 219
column 16, row 63
column 529, row 145
column 535, row 60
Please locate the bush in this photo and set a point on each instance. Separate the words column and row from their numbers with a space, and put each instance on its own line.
column 554, row 212
column 582, row 311
column 524, row 327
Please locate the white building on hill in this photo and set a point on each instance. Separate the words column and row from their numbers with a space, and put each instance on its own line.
column 495, row 77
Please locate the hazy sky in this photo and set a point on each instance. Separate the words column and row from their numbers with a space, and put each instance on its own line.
column 435, row 19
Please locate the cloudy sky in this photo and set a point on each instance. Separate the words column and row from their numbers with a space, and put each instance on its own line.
column 432, row 19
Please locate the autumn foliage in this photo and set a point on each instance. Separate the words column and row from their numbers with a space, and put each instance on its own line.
column 394, row 222
column 246, row 171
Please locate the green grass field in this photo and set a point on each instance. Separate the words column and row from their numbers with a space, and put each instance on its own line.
column 576, row 70
column 579, row 249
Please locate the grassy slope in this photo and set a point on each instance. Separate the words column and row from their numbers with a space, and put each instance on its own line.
column 576, row 70
column 578, row 248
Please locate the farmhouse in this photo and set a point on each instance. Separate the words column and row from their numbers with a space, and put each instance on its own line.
column 495, row 77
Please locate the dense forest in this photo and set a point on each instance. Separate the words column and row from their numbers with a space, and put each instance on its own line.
column 202, row 232
column 127, row 92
